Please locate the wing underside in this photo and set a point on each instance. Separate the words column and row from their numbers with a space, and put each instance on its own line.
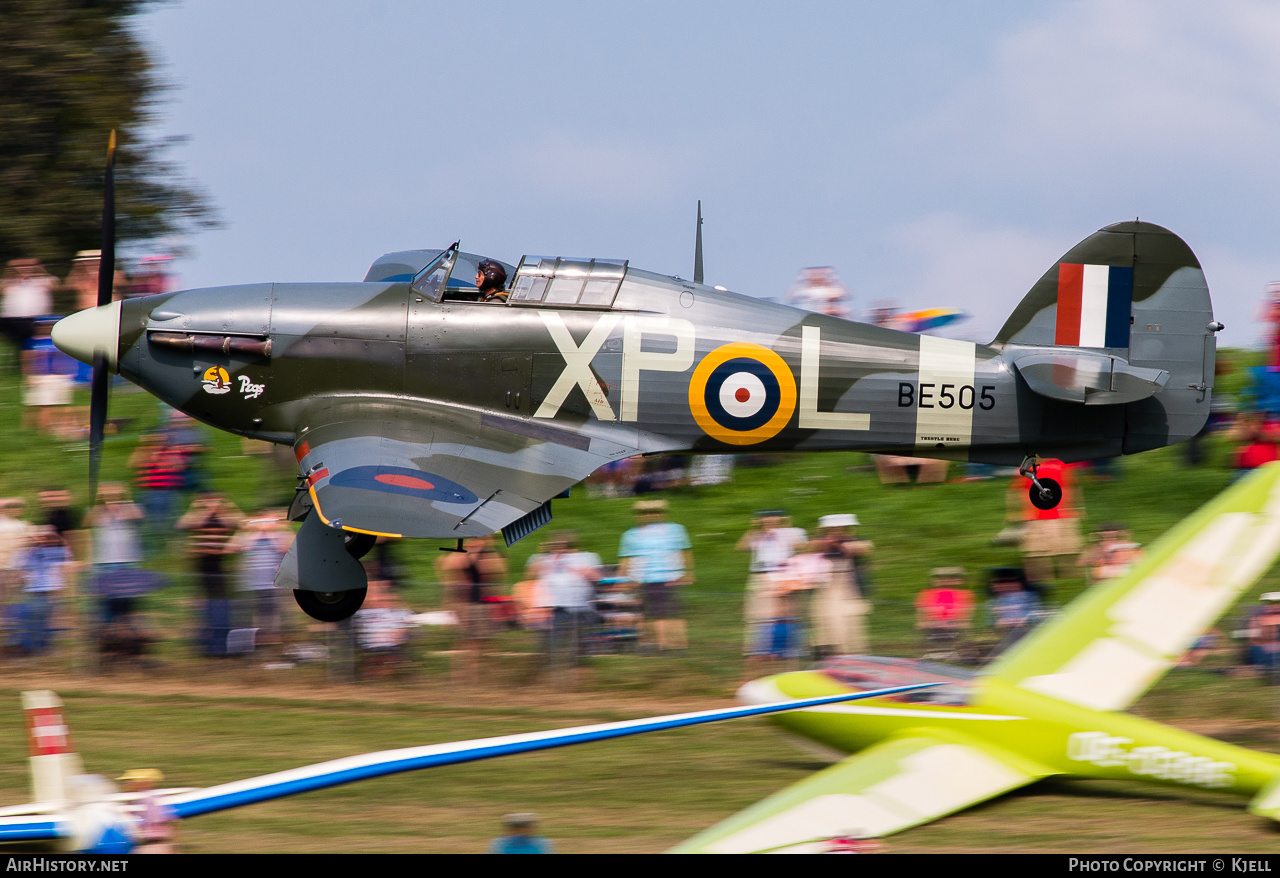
column 903, row 781
column 438, row 473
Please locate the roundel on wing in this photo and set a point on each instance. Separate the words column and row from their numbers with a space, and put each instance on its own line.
column 403, row 480
column 742, row 394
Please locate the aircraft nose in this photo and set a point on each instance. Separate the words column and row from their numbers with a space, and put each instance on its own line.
column 88, row 332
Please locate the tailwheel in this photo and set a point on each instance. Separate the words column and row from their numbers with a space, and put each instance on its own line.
column 1045, row 493
column 329, row 606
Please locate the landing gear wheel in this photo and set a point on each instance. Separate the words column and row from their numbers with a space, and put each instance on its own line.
column 1038, row 498
column 358, row 545
column 329, row 606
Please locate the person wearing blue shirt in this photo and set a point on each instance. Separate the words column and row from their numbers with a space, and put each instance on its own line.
column 520, row 838
column 656, row 556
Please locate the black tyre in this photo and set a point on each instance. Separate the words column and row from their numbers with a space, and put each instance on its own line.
column 1039, row 501
column 329, row 606
column 358, row 545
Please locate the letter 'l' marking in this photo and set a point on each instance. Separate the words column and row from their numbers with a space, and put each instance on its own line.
column 810, row 417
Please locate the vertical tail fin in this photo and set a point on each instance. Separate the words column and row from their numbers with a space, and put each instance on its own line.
column 54, row 760
column 1130, row 302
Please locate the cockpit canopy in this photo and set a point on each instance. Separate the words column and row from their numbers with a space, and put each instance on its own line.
column 538, row 280
column 862, row 672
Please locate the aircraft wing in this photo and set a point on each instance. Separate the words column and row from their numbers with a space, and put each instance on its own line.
column 905, row 780
column 1121, row 636
column 370, row 765
column 418, row 469
column 33, row 827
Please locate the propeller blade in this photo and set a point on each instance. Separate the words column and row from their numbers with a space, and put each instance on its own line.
column 97, row 420
column 107, row 261
column 101, row 381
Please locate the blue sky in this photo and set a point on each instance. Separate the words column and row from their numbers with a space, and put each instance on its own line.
column 935, row 153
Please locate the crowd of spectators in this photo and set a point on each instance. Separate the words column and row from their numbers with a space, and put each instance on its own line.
column 31, row 301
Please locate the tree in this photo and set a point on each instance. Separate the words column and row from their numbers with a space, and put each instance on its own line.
column 70, row 72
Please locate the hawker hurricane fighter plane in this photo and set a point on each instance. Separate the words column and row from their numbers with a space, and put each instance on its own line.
column 420, row 405
column 1051, row 706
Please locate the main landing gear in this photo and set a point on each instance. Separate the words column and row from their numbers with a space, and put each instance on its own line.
column 1045, row 493
column 330, row 606
column 334, row 606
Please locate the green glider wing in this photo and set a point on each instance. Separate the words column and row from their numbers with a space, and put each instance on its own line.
column 905, row 780
column 1120, row 637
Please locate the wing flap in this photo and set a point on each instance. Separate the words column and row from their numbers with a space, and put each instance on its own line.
column 904, row 781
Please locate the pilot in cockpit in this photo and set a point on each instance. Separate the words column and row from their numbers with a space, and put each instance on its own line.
column 491, row 279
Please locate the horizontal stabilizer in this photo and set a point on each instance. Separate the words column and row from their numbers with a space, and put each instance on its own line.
column 1074, row 375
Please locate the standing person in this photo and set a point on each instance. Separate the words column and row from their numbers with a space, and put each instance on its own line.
column 819, row 289
column 26, row 292
column 212, row 521
column 117, row 543
column 569, row 578
column 157, row 828
column 56, row 510
column 771, row 543
column 158, row 475
column 1049, row 536
column 944, row 610
column 47, row 383
column 81, row 285
column 14, row 531
column 261, row 544
column 840, row 606
column 469, row 577
column 42, row 565
column 1013, row 609
column 658, row 557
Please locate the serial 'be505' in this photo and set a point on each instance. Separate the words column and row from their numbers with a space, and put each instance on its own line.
column 417, row 411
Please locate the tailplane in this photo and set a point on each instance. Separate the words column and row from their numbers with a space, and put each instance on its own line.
column 1124, row 318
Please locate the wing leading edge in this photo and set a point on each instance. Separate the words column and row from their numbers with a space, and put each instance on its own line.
column 354, row 768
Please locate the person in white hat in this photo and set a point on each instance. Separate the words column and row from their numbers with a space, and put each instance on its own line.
column 840, row 606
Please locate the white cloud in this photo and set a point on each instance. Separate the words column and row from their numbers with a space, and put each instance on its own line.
column 961, row 264
column 1113, row 85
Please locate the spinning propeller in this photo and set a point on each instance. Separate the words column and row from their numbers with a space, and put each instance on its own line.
column 100, row 385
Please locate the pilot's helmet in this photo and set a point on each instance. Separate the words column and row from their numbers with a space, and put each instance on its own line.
column 495, row 276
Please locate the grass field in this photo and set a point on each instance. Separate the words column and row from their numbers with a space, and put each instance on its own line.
column 205, row 722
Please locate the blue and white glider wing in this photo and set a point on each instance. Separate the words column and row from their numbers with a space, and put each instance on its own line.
column 33, row 827
column 370, row 765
